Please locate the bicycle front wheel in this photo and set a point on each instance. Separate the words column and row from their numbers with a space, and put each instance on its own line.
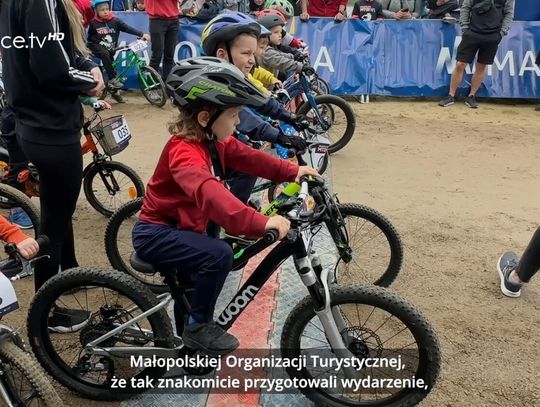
column 26, row 384
column 152, row 86
column 109, row 185
column 338, row 119
column 80, row 305
column 374, row 324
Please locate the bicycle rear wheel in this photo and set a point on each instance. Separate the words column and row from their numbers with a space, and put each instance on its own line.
column 23, row 379
column 119, row 246
column 152, row 86
column 374, row 324
column 11, row 198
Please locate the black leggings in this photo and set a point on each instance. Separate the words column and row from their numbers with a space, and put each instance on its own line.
column 60, row 177
column 529, row 263
column 106, row 57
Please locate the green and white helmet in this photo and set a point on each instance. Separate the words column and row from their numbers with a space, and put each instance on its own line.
column 213, row 82
column 282, row 5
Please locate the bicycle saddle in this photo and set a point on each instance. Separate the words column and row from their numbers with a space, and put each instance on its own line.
column 140, row 265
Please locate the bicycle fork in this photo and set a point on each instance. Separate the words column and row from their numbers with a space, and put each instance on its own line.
column 316, row 279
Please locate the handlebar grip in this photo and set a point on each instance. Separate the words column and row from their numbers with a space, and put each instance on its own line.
column 271, row 236
column 292, row 152
column 43, row 240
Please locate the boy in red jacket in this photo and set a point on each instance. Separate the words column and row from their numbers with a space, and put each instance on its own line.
column 164, row 26
column 184, row 192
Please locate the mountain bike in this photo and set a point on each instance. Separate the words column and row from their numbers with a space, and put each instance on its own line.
column 150, row 81
column 22, row 380
column 337, row 322
column 360, row 243
column 107, row 184
column 328, row 113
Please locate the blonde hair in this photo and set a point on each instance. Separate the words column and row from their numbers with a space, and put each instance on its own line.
column 76, row 28
column 186, row 125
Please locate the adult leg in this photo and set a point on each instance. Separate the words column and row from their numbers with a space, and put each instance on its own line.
column 170, row 41
column 478, row 78
column 60, row 172
column 157, row 36
column 529, row 264
column 457, row 77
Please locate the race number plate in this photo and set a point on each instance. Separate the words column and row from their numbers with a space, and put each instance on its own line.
column 120, row 131
column 137, row 46
column 8, row 297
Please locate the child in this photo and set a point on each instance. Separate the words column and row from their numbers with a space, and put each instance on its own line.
column 260, row 77
column 138, row 5
column 103, row 36
column 186, row 191
column 367, row 10
column 255, row 6
column 275, row 60
column 10, row 233
column 233, row 37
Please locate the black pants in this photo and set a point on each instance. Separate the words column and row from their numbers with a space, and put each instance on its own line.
column 60, row 176
column 164, row 36
column 529, row 264
column 241, row 184
column 17, row 158
column 106, row 56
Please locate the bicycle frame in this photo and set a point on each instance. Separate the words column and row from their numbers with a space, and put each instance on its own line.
column 131, row 59
column 300, row 87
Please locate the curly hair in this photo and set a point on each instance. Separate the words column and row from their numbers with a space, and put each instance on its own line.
column 186, row 125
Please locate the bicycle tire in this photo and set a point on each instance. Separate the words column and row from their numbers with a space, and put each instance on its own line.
column 32, row 371
column 112, row 166
column 80, row 278
column 15, row 198
column 157, row 78
column 117, row 261
column 382, row 298
column 345, row 108
column 392, row 238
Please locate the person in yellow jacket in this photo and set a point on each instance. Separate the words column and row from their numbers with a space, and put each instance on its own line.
column 260, row 77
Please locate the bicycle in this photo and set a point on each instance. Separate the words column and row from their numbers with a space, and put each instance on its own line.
column 22, row 380
column 113, row 135
column 327, row 112
column 128, row 320
column 366, row 247
column 10, row 198
column 150, row 82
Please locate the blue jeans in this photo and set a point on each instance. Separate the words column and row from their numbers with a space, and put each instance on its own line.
column 204, row 259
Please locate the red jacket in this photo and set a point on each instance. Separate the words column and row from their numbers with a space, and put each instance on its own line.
column 184, row 192
column 10, row 233
column 322, row 8
column 85, row 8
column 166, row 9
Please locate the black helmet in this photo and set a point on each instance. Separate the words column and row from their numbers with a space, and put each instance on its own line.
column 270, row 21
column 225, row 28
column 209, row 81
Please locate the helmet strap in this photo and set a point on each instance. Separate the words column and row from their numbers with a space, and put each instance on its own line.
column 208, row 128
column 228, row 49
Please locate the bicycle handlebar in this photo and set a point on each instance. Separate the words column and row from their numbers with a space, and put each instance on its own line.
column 271, row 236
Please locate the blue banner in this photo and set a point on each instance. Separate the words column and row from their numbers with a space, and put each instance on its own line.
column 393, row 58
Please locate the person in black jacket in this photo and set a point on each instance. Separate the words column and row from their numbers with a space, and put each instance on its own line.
column 43, row 82
column 103, row 34
column 483, row 23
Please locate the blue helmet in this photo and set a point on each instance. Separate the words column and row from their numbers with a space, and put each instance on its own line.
column 224, row 28
column 96, row 3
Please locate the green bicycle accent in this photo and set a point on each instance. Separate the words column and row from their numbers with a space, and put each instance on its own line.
column 290, row 190
column 150, row 82
column 239, row 254
column 194, row 91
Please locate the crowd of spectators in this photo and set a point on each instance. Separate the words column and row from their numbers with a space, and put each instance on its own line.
column 446, row 10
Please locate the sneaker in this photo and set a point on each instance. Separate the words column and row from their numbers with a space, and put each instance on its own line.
column 209, row 338
column 507, row 263
column 115, row 84
column 64, row 320
column 471, row 102
column 447, row 101
column 448, row 19
column 118, row 97
column 19, row 217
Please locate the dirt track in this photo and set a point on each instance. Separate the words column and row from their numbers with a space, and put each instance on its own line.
column 461, row 186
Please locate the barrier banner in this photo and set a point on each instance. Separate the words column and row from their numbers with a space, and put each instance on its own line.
column 392, row 58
